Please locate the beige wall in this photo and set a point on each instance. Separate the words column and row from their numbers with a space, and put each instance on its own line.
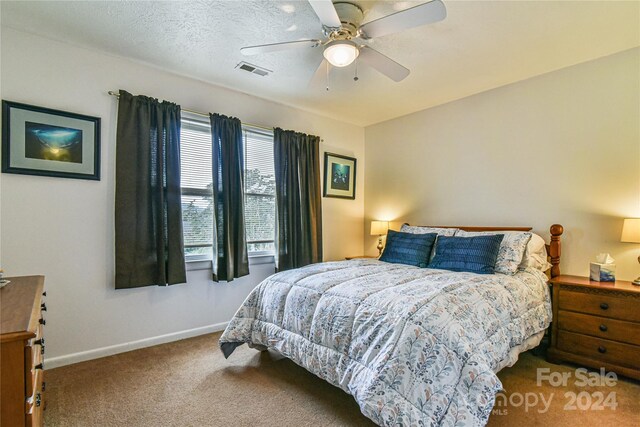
column 559, row 148
column 63, row 228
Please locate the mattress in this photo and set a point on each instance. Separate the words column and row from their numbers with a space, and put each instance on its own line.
column 413, row 346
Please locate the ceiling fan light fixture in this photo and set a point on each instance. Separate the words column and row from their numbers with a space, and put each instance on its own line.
column 341, row 53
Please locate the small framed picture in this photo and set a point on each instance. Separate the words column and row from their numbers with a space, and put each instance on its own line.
column 339, row 176
column 42, row 141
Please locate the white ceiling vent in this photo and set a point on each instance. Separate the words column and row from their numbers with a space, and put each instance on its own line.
column 261, row 71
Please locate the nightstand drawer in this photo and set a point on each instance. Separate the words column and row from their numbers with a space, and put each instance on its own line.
column 599, row 304
column 600, row 349
column 603, row 327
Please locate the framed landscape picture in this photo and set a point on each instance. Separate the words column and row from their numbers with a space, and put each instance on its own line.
column 42, row 141
column 339, row 176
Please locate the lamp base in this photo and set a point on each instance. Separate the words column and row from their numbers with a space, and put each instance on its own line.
column 636, row 282
column 380, row 247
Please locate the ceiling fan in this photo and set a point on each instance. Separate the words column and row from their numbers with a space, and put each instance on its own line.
column 345, row 36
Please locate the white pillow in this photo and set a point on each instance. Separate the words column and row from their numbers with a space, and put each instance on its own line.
column 416, row 229
column 536, row 254
column 512, row 248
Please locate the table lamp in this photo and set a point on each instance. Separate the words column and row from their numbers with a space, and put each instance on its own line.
column 379, row 228
column 631, row 234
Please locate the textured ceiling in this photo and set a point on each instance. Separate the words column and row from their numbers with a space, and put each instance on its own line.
column 479, row 46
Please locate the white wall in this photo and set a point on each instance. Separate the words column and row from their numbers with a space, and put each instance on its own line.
column 558, row 148
column 63, row 228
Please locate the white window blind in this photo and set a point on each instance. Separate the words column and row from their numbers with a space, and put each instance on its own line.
column 260, row 190
column 196, row 182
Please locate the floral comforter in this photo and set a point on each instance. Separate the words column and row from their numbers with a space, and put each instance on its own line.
column 413, row 346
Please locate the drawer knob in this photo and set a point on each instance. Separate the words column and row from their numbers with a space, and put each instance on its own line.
column 43, row 307
column 603, row 328
column 39, row 342
column 602, row 349
column 38, row 399
column 44, row 294
column 43, row 322
column 604, row 306
column 42, row 349
column 39, row 366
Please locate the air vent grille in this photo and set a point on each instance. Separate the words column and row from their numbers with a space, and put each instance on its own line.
column 253, row 69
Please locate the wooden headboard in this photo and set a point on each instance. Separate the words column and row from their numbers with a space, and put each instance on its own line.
column 553, row 248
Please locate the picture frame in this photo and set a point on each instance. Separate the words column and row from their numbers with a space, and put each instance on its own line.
column 339, row 176
column 46, row 142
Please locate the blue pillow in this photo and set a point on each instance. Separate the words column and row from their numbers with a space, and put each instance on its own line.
column 473, row 254
column 408, row 248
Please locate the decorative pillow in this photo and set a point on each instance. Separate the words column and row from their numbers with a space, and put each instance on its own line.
column 408, row 248
column 440, row 231
column 511, row 249
column 535, row 256
column 473, row 254
column 416, row 229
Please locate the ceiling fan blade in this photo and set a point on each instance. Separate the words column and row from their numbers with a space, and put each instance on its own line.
column 383, row 64
column 326, row 12
column 320, row 76
column 274, row 47
column 416, row 16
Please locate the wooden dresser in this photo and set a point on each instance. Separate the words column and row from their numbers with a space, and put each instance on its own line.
column 22, row 351
column 596, row 324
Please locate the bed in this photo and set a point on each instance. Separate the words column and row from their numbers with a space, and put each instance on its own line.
column 413, row 346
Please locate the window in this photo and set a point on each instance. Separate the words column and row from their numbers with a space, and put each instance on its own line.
column 259, row 190
column 197, row 188
column 196, row 180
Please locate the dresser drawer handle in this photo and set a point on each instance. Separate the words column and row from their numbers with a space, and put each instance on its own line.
column 39, row 366
column 603, row 328
column 44, row 294
column 38, row 399
column 604, row 306
column 43, row 307
column 40, row 342
column 43, row 322
column 602, row 349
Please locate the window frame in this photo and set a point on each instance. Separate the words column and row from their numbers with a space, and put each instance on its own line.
column 197, row 123
column 253, row 129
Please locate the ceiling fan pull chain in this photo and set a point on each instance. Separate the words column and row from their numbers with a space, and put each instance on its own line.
column 355, row 78
column 327, row 68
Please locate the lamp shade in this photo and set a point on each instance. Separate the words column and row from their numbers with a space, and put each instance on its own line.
column 378, row 228
column 631, row 230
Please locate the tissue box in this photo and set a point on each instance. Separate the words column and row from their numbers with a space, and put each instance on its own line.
column 603, row 272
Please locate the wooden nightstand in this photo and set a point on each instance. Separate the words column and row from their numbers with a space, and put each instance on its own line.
column 596, row 324
column 359, row 256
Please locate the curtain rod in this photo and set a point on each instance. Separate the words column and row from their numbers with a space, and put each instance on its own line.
column 199, row 113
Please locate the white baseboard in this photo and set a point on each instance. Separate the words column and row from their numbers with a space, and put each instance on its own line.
column 68, row 359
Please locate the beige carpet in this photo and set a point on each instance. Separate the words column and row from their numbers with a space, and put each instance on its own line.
column 189, row 383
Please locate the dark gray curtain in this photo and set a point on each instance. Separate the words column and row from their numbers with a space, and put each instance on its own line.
column 298, row 201
column 230, row 259
column 148, row 216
